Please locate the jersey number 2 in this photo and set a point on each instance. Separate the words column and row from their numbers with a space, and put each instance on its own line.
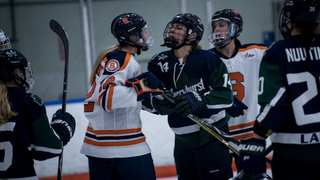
column 304, row 98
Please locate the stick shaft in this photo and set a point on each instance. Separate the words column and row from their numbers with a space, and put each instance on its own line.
column 60, row 31
column 217, row 133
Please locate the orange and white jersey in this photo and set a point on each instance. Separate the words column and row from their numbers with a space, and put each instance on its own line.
column 114, row 129
column 243, row 69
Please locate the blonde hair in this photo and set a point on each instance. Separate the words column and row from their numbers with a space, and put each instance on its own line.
column 185, row 57
column 99, row 60
column 5, row 106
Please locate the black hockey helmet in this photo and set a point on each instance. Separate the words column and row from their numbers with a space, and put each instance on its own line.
column 235, row 22
column 193, row 24
column 298, row 11
column 127, row 29
column 14, row 65
column 4, row 41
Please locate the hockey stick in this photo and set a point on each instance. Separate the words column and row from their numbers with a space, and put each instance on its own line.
column 230, row 138
column 60, row 31
column 214, row 132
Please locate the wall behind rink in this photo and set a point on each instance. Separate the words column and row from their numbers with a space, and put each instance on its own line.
column 26, row 22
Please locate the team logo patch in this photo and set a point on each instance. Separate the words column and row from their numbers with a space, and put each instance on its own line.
column 162, row 57
column 36, row 99
column 125, row 20
column 113, row 65
column 248, row 55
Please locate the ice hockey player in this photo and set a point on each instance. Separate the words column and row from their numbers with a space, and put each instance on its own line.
column 199, row 83
column 114, row 143
column 25, row 132
column 289, row 98
column 243, row 63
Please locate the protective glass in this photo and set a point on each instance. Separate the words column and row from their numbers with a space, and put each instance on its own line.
column 5, row 43
column 146, row 39
column 220, row 39
column 29, row 77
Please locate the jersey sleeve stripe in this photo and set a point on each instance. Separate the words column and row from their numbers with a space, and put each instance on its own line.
column 239, row 126
column 110, row 94
column 100, row 98
column 44, row 149
column 105, row 59
column 126, row 62
column 92, row 90
column 252, row 47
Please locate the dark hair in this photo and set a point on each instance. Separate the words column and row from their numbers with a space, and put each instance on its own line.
column 306, row 33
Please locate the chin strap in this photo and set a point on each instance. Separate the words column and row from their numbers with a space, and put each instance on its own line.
column 133, row 45
column 228, row 40
column 139, row 50
column 172, row 43
column 23, row 83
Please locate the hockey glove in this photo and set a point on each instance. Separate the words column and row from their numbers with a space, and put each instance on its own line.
column 140, row 87
column 248, row 176
column 64, row 124
column 237, row 108
column 252, row 158
column 189, row 103
column 162, row 106
column 152, row 81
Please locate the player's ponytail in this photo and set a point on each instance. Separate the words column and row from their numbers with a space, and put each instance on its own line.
column 307, row 34
column 99, row 60
column 5, row 106
column 185, row 57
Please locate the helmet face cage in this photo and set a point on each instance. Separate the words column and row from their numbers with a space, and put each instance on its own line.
column 14, row 65
column 220, row 39
column 180, row 32
column 193, row 25
column 235, row 24
column 29, row 77
column 4, row 41
column 284, row 19
column 132, row 29
column 145, row 38
column 296, row 11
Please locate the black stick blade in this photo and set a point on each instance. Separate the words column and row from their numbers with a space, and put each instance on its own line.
column 60, row 31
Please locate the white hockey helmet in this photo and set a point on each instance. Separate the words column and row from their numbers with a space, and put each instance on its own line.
column 4, row 41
